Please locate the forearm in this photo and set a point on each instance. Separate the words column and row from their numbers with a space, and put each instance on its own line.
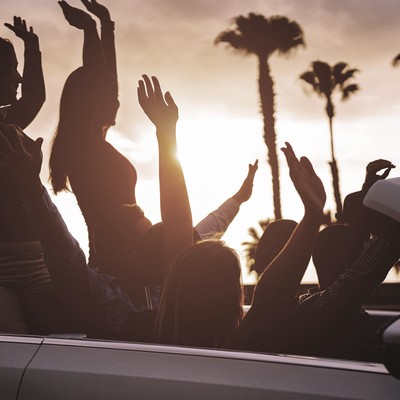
column 218, row 221
column 281, row 279
column 174, row 201
column 93, row 56
column 351, row 289
column 108, row 43
column 33, row 92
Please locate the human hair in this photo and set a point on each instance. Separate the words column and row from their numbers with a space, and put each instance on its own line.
column 202, row 300
column 72, row 128
column 337, row 247
column 81, row 116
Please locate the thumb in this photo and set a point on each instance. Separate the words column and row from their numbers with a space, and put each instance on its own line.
column 385, row 174
column 37, row 149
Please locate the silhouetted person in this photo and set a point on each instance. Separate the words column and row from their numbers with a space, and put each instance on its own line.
column 338, row 247
column 97, row 296
column 101, row 178
column 22, row 270
column 202, row 301
column 329, row 321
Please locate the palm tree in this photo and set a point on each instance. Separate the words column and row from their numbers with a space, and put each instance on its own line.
column 396, row 60
column 325, row 81
column 263, row 37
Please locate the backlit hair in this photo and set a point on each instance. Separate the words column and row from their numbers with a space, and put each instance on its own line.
column 203, row 297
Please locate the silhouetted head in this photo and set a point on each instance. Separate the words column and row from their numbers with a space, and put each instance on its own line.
column 76, row 105
column 150, row 254
column 116, row 237
column 202, row 300
column 10, row 78
column 337, row 247
column 272, row 241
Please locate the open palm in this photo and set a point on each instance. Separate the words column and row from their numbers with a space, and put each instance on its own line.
column 306, row 182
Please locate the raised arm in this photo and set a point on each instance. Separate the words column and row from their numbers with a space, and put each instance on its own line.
column 371, row 173
column 107, row 33
column 218, row 221
column 93, row 57
column 280, row 280
column 109, row 102
column 274, row 294
column 33, row 92
column 174, row 202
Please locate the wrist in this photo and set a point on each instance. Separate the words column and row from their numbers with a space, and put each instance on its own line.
column 108, row 24
column 165, row 130
column 31, row 43
column 90, row 25
column 239, row 198
column 314, row 215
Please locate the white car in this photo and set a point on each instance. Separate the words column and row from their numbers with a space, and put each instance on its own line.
column 45, row 368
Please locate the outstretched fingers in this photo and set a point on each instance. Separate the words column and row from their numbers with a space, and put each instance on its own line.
column 149, row 87
column 170, row 100
column 291, row 158
column 157, row 88
column 308, row 167
column 252, row 170
column 141, row 92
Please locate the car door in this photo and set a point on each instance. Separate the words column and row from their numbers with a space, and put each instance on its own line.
column 15, row 354
column 89, row 369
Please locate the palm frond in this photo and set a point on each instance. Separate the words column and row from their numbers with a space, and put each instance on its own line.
column 348, row 90
column 346, row 76
column 231, row 38
column 338, row 69
column 396, row 60
column 308, row 77
column 323, row 73
column 256, row 34
column 288, row 35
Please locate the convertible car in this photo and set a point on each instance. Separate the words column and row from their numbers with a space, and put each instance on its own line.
column 77, row 368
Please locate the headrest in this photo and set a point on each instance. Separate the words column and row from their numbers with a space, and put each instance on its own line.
column 384, row 197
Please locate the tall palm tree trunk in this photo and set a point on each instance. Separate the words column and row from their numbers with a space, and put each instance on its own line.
column 266, row 88
column 333, row 163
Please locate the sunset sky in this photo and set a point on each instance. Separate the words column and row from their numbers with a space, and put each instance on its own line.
column 220, row 128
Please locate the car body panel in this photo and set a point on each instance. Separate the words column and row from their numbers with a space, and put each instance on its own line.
column 15, row 355
column 87, row 369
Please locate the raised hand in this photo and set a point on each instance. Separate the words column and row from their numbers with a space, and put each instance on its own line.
column 246, row 190
column 76, row 17
column 306, row 182
column 161, row 109
column 372, row 172
column 17, row 163
column 21, row 30
column 97, row 9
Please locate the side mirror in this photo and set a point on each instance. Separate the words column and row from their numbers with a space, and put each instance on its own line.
column 390, row 341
